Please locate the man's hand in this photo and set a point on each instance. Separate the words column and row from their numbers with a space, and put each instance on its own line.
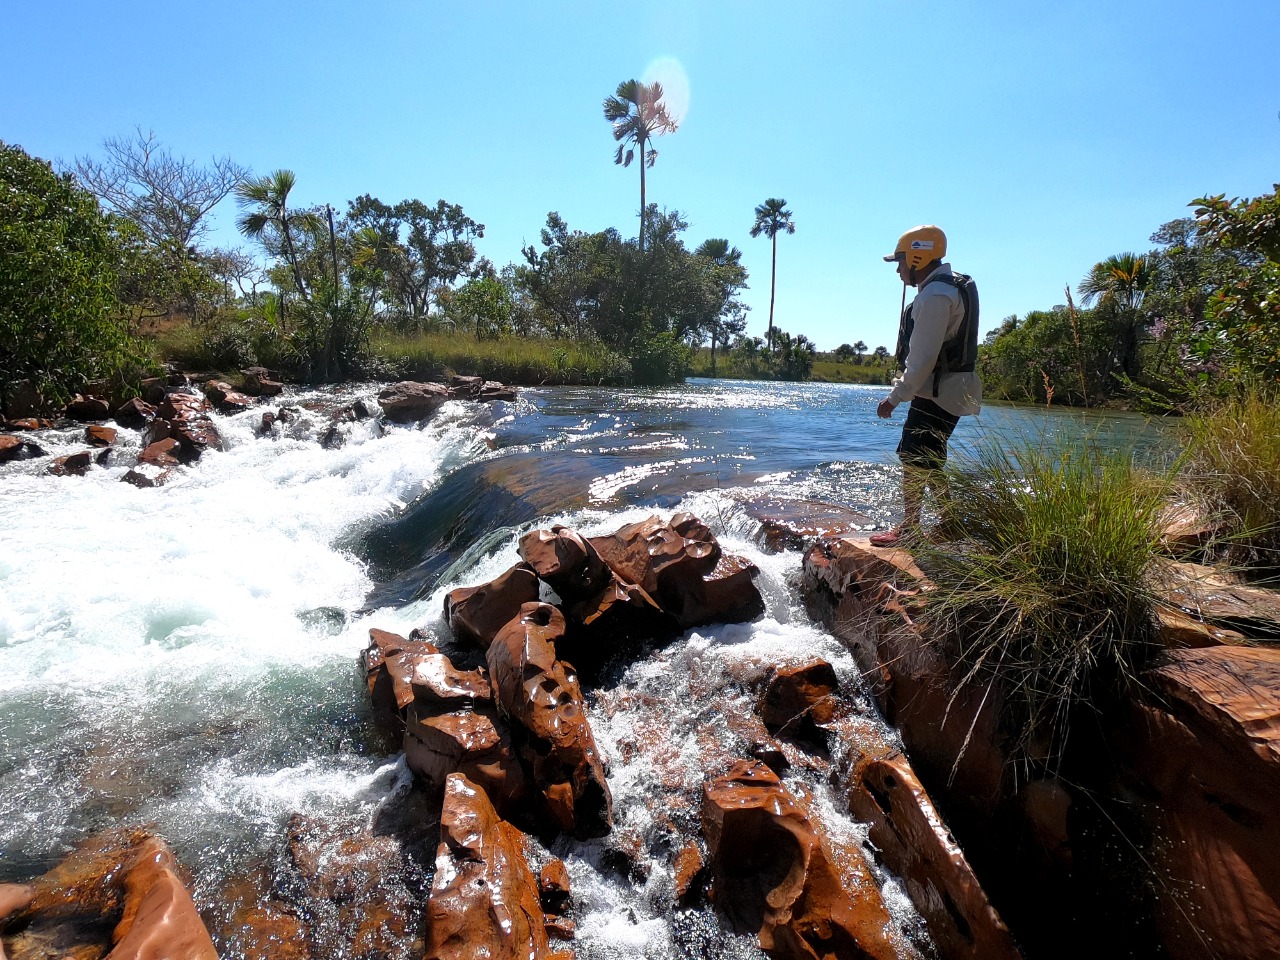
column 885, row 410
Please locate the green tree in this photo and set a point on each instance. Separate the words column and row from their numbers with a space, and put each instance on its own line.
column 60, row 320
column 846, row 350
column 882, row 355
column 268, row 219
column 483, row 304
column 772, row 218
column 1118, row 284
column 638, row 114
column 860, row 348
column 420, row 250
column 725, row 317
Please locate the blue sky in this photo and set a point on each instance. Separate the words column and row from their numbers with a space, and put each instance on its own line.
column 1041, row 137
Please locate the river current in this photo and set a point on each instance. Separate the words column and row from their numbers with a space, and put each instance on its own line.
column 184, row 657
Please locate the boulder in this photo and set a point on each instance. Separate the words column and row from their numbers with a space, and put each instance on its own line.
column 160, row 919
column 438, row 685
column 97, row 435
column 565, row 561
column 798, row 697
column 492, row 390
column 484, row 898
column 465, row 388
column 541, row 697
column 134, row 413
column 774, row 877
column 261, row 382
column 162, row 453
column 798, row 524
column 916, row 846
column 471, row 742
column 156, row 430
column 226, row 398
column 389, row 663
column 88, row 407
column 476, row 614
column 149, row 475
column 410, row 401
column 181, row 405
column 196, row 435
column 690, row 872
column 680, row 565
column 15, row 448
column 72, row 465
column 617, row 618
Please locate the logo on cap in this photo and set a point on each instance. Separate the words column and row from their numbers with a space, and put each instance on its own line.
column 921, row 244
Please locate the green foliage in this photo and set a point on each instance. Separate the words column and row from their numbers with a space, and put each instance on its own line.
column 1048, row 595
column 1241, row 333
column 60, row 320
column 1235, row 467
column 530, row 362
column 482, row 305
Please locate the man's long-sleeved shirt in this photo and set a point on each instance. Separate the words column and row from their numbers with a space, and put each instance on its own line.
column 937, row 312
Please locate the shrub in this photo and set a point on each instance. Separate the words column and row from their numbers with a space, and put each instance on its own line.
column 1234, row 466
column 1047, row 595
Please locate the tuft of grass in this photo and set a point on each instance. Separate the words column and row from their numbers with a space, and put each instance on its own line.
column 1234, row 467
column 1047, row 597
column 515, row 360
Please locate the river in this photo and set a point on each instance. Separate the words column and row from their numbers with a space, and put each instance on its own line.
column 184, row 657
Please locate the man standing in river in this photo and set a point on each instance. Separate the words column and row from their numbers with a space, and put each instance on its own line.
column 937, row 351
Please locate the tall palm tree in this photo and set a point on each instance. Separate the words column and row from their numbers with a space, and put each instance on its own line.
column 1118, row 283
column 773, row 218
column 267, row 217
column 638, row 115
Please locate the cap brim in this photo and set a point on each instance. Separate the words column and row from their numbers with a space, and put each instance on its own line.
column 892, row 258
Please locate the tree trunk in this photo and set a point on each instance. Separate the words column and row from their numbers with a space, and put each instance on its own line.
column 773, row 287
column 642, row 201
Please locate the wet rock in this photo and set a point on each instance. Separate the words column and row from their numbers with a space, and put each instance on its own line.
column 261, row 382
column 492, row 390
column 798, row 697
column 798, row 524
column 438, row 685
column 88, row 407
column 565, row 561
column 680, row 565
column 27, row 423
column 410, row 401
column 613, row 622
column 196, row 435
column 476, row 614
column 1206, row 746
column 226, row 398
column 465, row 388
column 120, row 892
column 1177, row 629
column 772, row 875
column 147, row 475
column 134, row 413
column 690, row 872
column 389, row 663
column 553, row 888
column 469, row 742
column 97, row 435
column 1209, row 597
column 161, row 453
column 359, row 890
column 180, row 405
column 769, row 752
column 15, row 448
column 541, row 697
column 153, row 389
column 917, row 848
column 156, row 430
column 484, row 898
column 73, row 465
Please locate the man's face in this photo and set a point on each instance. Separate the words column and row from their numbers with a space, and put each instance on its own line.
column 904, row 272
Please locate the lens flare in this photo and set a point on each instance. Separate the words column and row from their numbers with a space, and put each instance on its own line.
column 675, row 85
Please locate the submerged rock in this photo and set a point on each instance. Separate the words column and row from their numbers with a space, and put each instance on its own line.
column 798, row 697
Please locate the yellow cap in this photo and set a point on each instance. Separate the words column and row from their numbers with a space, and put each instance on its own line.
column 920, row 245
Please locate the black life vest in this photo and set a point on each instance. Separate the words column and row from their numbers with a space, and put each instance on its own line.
column 959, row 354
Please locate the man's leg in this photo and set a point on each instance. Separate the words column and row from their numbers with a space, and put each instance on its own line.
column 923, row 451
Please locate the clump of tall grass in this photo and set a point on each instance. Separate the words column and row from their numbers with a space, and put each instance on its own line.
column 517, row 360
column 1234, row 467
column 1046, row 598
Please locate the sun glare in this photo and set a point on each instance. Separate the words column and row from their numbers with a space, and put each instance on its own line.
column 675, row 85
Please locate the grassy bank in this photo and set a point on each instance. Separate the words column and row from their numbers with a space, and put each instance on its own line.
column 526, row 362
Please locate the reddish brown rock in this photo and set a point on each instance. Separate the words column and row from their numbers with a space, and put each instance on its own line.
column 87, row 408
column 607, row 623
column 97, row 435
column 465, row 388
column 680, row 565
column 27, row 423
column 773, row 877
column 389, row 663
column 566, row 561
column 917, row 848
column 223, row 396
column 798, row 524
column 553, row 888
column 196, row 435
column 476, row 614
column 798, row 696
column 162, row 453
column 541, row 697
column 179, row 405
column 134, row 413
column 438, row 685
column 117, row 895
column 14, row 448
column 156, row 430
column 411, row 401
column 1207, row 746
column 146, row 475
column 469, row 742
column 261, row 382
column 484, row 898
column 73, row 465
column 492, row 390
column 1177, row 629
column 690, row 872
